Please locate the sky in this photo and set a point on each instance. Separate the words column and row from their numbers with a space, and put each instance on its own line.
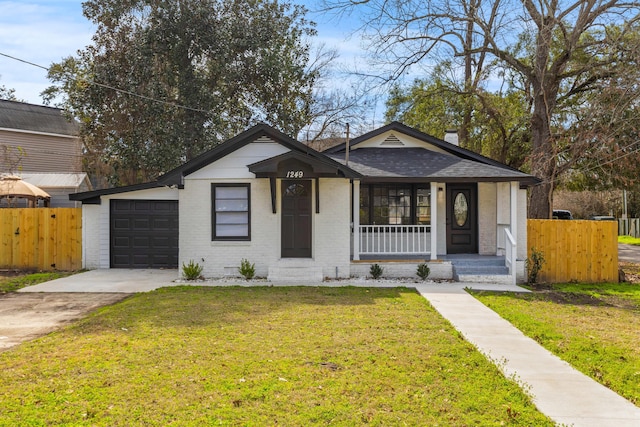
column 43, row 32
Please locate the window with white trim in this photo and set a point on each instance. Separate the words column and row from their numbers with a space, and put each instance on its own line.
column 231, row 217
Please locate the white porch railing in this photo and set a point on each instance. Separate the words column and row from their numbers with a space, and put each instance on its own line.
column 394, row 239
column 510, row 255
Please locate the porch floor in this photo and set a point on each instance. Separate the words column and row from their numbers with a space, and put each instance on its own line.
column 426, row 258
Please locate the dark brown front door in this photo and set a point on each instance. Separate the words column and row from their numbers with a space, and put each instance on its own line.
column 462, row 219
column 296, row 219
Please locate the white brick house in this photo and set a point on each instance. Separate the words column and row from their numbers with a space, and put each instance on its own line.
column 394, row 196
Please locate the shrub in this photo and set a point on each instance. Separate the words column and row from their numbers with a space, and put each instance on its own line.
column 192, row 270
column 423, row 271
column 534, row 264
column 246, row 269
column 376, row 271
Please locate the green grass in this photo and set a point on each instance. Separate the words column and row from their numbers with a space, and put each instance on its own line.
column 11, row 284
column 594, row 327
column 260, row 356
column 628, row 240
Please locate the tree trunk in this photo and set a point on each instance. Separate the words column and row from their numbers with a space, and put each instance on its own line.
column 543, row 160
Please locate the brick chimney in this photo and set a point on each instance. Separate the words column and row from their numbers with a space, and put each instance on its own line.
column 451, row 136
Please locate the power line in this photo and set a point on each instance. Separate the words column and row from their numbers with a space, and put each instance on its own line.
column 123, row 91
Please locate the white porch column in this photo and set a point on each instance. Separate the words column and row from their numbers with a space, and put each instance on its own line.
column 515, row 186
column 356, row 219
column 434, row 221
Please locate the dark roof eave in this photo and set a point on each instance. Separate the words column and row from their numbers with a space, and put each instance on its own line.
column 524, row 181
column 90, row 197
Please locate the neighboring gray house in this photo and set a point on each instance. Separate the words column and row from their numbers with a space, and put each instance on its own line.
column 395, row 196
column 40, row 145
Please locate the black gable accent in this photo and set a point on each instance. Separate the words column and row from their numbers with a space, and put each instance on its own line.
column 317, row 166
column 174, row 176
column 402, row 128
column 242, row 139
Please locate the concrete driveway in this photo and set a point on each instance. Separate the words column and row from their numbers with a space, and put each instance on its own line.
column 109, row 280
column 38, row 310
column 629, row 253
column 25, row 316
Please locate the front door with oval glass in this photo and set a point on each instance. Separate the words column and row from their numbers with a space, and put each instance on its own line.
column 462, row 219
column 296, row 219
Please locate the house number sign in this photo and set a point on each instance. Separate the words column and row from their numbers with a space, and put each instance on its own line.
column 295, row 174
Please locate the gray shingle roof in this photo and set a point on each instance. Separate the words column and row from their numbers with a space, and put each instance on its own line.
column 419, row 164
column 37, row 118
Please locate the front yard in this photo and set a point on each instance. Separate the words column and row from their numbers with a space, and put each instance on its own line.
column 594, row 327
column 259, row 356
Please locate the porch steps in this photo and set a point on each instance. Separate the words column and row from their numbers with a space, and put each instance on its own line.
column 292, row 270
column 480, row 269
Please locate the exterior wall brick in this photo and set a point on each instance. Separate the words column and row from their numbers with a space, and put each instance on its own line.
column 487, row 217
column 220, row 258
column 331, row 229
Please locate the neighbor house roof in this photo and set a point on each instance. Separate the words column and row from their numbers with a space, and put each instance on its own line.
column 55, row 180
column 35, row 118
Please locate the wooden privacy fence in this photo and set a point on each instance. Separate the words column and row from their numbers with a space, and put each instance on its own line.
column 41, row 238
column 582, row 251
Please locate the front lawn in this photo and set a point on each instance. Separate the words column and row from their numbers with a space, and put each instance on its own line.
column 10, row 282
column 259, row 356
column 628, row 240
column 594, row 327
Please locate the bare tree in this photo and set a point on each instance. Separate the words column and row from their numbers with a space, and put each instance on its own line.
column 543, row 44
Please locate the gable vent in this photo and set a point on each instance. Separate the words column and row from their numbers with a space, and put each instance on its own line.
column 264, row 138
column 391, row 140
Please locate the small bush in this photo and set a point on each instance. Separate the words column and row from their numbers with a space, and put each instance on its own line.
column 376, row 271
column 192, row 270
column 423, row 271
column 533, row 265
column 246, row 269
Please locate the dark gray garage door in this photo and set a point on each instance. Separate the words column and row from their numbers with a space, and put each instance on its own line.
column 144, row 234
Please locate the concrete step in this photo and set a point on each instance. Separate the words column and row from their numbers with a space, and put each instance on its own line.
column 481, row 269
column 289, row 272
column 483, row 278
column 478, row 262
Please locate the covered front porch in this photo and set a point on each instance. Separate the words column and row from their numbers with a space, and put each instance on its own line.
column 454, row 227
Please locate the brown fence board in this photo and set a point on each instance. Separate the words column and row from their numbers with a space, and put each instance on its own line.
column 41, row 238
column 582, row 251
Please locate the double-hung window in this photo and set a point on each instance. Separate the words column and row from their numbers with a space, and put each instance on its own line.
column 395, row 204
column 231, row 211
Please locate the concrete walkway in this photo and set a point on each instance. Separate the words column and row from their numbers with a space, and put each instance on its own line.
column 559, row 391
